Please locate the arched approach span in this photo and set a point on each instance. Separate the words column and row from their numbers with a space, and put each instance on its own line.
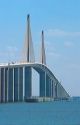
column 16, row 82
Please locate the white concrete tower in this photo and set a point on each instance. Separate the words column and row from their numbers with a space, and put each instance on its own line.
column 28, row 51
column 42, row 54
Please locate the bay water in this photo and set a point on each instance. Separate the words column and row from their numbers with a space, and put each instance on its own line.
column 45, row 113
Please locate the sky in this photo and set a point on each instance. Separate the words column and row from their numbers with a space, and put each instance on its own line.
column 60, row 20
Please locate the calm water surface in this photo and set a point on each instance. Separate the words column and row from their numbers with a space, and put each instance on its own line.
column 49, row 113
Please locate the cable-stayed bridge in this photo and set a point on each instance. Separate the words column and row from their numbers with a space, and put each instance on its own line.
column 16, row 78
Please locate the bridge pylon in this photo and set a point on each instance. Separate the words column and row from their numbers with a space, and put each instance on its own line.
column 28, row 51
column 42, row 53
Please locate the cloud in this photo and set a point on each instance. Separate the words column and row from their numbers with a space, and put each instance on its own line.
column 52, row 53
column 61, row 33
column 10, row 53
column 12, row 49
column 68, row 44
column 51, row 50
column 75, row 66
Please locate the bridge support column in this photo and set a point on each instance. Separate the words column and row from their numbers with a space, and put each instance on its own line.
column 48, row 86
column 10, row 84
column 42, row 84
column 52, row 94
column 20, row 92
column 2, row 85
column 56, row 90
column 53, row 85
column 28, row 82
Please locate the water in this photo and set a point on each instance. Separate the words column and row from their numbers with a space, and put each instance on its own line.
column 49, row 113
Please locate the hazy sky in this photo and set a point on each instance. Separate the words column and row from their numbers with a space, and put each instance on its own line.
column 60, row 20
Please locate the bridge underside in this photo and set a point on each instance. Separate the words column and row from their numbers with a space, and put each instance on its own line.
column 16, row 83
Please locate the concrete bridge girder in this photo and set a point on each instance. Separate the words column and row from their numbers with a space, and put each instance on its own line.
column 45, row 82
column 16, row 83
column 48, row 86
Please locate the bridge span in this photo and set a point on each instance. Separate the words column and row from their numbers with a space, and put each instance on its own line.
column 16, row 82
column 16, row 78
